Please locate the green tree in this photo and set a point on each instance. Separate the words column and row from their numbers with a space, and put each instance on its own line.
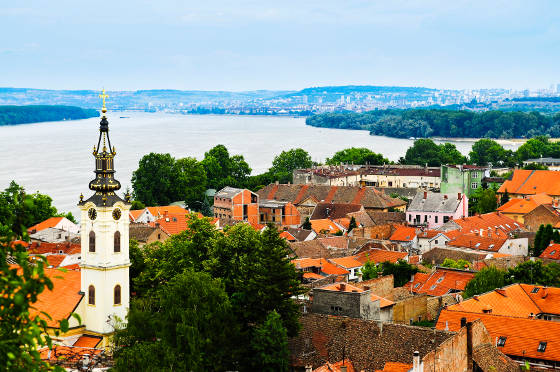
column 21, row 333
column 484, row 201
column 448, row 154
column 487, row 279
column 459, row 264
column 505, row 198
column 187, row 325
column 223, row 170
column 423, row 151
column 357, row 155
column 192, row 182
column 286, row 162
column 369, row 270
column 402, row 271
column 137, row 205
column 530, row 272
column 543, row 237
column 352, row 224
column 270, row 345
column 156, row 180
column 307, row 224
column 535, row 148
column 19, row 210
column 485, row 151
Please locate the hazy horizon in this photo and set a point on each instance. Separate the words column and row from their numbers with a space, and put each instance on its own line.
column 254, row 45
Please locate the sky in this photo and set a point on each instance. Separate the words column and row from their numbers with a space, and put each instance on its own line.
column 248, row 45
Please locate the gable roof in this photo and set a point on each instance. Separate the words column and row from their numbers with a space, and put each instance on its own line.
column 324, row 225
column 348, row 262
column 395, row 367
column 403, row 234
column 336, row 367
column 369, row 197
column 322, row 264
column 49, row 222
column 380, row 255
column 551, row 252
column 530, row 182
column 425, row 201
column 474, row 241
column 334, row 211
column 299, row 233
column 499, row 224
column 440, row 282
column 523, row 206
column 523, row 335
column 54, row 248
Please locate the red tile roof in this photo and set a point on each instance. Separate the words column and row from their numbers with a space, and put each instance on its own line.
column 379, row 256
column 54, row 260
column 523, row 335
column 286, row 235
column 50, row 222
column 44, row 247
column 497, row 223
column 403, row 234
column 335, row 367
column 530, row 182
column 324, row 225
column 70, row 355
column 346, row 262
column 395, row 367
column 474, row 241
column 551, row 252
column 440, row 282
column 87, row 341
column 173, row 223
column 325, row 266
column 523, row 206
column 428, row 234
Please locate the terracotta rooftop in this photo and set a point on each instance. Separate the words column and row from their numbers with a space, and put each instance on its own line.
column 50, row 222
column 334, row 211
column 335, row 367
column 403, row 234
column 324, row 225
column 497, row 223
column 54, row 248
column 379, row 256
column 523, row 206
column 346, row 262
column 322, row 264
column 474, row 241
column 396, row 367
column 87, row 341
column 440, row 282
column 551, row 252
column 530, row 182
column 521, row 336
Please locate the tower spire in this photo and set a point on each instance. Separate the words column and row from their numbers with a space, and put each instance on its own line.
column 104, row 153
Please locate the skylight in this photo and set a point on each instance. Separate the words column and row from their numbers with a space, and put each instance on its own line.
column 542, row 346
column 535, row 290
column 433, row 287
column 477, row 245
column 502, row 341
column 553, row 252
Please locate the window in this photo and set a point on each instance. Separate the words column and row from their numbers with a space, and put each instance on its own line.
column 425, row 218
column 439, row 280
column 502, row 341
column 117, row 242
column 91, row 241
column 91, row 295
column 436, row 219
column 416, row 285
column 336, row 309
column 433, row 287
column 553, row 252
column 436, row 241
column 117, row 295
column 542, row 346
column 409, row 218
column 535, row 290
column 445, row 219
column 475, row 175
column 474, row 185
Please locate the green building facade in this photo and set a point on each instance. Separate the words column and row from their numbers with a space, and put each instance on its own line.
column 465, row 179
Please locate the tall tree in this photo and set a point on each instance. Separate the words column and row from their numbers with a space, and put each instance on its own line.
column 155, row 182
column 485, row 151
column 307, row 224
column 223, row 170
column 192, row 182
column 357, row 155
column 401, row 271
column 270, row 345
column 487, row 279
column 286, row 162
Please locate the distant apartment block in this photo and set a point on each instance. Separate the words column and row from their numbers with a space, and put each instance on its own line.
column 386, row 176
column 464, row 179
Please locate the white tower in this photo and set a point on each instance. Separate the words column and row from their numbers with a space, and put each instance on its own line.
column 104, row 234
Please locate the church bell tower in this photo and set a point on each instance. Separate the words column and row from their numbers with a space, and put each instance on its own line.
column 104, row 238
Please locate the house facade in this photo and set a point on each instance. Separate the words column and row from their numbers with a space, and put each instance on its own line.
column 231, row 203
column 464, row 179
column 432, row 210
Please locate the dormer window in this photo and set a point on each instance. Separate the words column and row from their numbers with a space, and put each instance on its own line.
column 542, row 346
column 502, row 341
column 535, row 290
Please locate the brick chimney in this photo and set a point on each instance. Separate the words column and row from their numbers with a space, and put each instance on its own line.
column 342, row 286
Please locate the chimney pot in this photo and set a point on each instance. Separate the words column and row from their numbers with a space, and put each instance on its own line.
column 416, row 362
column 459, row 196
column 342, row 286
column 366, row 288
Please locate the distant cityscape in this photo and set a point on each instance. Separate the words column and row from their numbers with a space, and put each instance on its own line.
column 303, row 102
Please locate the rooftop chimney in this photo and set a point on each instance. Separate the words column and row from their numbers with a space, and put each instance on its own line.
column 425, row 194
column 459, row 196
column 416, row 362
column 309, row 368
column 343, row 368
column 366, row 288
column 342, row 286
column 444, row 196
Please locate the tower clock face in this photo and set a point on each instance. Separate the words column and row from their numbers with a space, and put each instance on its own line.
column 92, row 213
column 117, row 214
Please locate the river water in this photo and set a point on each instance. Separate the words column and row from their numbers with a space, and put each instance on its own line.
column 55, row 157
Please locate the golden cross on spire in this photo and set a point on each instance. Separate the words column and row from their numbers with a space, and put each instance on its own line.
column 103, row 96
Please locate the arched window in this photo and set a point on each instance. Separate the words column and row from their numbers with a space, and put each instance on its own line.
column 117, row 295
column 91, row 241
column 91, row 295
column 117, row 242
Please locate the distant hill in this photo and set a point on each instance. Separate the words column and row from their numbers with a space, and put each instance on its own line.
column 12, row 115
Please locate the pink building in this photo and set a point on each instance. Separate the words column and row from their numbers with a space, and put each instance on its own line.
column 431, row 209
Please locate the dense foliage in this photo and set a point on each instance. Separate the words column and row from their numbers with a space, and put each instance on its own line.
column 357, row 155
column 459, row 264
column 545, row 235
column 241, row 278
column 424, row 123
column 401, row 271
column 22, row 334
column 427, row 152
column 19, row 210
column 528, row 272
column 10, row 115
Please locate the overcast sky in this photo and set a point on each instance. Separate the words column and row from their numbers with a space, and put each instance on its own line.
column 283, row 44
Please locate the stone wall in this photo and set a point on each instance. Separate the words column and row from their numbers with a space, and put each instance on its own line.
column 434, row 304
column 382, row 286
column 368, row 344
column 414, row 308
column 450, row 355
column 350, row 304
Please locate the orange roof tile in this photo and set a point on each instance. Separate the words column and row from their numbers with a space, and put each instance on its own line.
column 348, row 262
column 61, row 301
column 440, row 282
column 310, row 275
column 498, row 224
column 428, row 234
column 72, row 267
column 395, row 367
column 87, row 341
column 44, row 247
column 324, row 225
column 474, row 241
column 286, row 235
column 135, row 213
column 380, row 255
column 530, row 182
column 325, row 266
column 551, row 252
column 169, row 209
column 335, row 367
column 546, row 298
column 523, row 206
column 70, row 354
column 523, row 335
column 50, row 222
column 403, row 234
column 344, row 222
column 173, row 223
column 54, row 260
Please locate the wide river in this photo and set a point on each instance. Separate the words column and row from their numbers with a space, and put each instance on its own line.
column 55, row 157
